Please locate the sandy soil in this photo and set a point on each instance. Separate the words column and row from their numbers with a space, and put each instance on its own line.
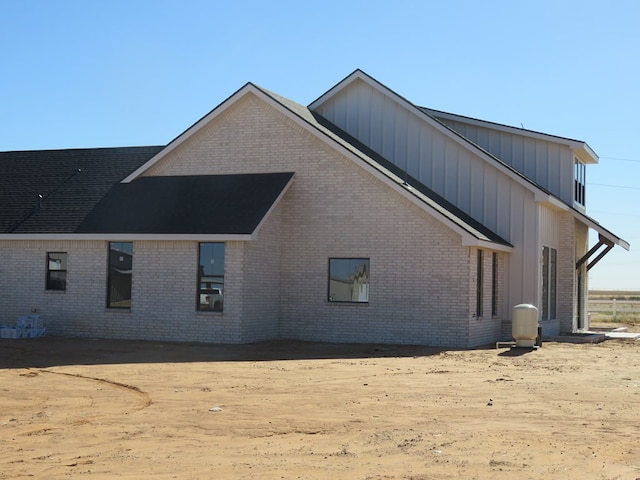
column 84, row 408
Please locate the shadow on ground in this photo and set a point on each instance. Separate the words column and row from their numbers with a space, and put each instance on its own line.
column 58, row 351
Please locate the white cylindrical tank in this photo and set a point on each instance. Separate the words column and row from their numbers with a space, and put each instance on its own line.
column 524, row 326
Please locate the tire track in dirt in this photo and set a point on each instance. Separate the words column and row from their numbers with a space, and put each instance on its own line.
column 143, row 398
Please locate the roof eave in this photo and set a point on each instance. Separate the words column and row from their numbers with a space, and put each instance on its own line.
column 591, row 223
column 471, row 241
column 114, row 237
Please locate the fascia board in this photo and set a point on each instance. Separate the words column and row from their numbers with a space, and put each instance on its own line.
column 470, row 241
column 193, row 129
column 552, row 201
column 585, row 154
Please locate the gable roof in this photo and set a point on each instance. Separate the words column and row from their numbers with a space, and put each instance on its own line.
column 188, row 205
column 438, row 125
column 473, row 232
column 52, row 191
column 541, row 194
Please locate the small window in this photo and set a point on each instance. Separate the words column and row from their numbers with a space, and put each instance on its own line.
column 56, row 271
column 119, row 275
column 211, row 277
column 349, row 280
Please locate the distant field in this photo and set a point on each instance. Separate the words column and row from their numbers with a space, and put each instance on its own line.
column 614, row 306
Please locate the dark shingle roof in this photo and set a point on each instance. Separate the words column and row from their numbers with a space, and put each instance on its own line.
column 198, row 204
column 71, row 183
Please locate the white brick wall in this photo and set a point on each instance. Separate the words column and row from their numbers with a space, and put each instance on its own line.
column 163, row 305
column 422, row 279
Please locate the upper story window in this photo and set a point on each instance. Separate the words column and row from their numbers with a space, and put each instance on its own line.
column 579, row 182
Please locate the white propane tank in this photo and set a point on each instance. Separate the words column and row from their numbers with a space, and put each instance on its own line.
column 524, row 326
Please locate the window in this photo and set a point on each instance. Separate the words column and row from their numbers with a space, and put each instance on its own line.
column 494, row 285
column 549, row 287
column 211, row 277
column 56, row 271
column 580, row 182
column 349, row 280
column 119, row 276
column 479, row 280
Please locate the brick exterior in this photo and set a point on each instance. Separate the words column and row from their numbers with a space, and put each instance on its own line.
column 276, row 285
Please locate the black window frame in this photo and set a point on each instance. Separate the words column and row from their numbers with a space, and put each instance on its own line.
column 549, row 294
column 494, row 284
column 333, row 279
column 580, row 179
column 56, row 284
column 210, row 286
column 479, row 284
column 119, row 280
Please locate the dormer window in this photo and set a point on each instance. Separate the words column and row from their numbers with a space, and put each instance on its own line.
column 579, row 182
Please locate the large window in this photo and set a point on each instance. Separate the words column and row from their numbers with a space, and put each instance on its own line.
column 211, row 277
column 119, row 276
column 349, row 280
column 549, row 285
column 56, row 271
column 580, row 182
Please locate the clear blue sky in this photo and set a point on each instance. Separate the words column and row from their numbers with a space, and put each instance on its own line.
column 79, row 73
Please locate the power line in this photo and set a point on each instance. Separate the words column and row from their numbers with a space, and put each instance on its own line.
column 613, row 186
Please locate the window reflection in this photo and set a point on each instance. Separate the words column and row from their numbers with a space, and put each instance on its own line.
column 120, row 269
column 56, row 271
column 211, row 277
column 349, row 280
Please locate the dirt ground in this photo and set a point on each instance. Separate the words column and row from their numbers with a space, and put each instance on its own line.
column 81, row 408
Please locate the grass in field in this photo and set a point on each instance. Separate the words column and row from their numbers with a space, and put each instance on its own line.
column 622, row 318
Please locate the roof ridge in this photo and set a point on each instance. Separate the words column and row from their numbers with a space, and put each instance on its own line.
column 500, row 124
column 77, row 149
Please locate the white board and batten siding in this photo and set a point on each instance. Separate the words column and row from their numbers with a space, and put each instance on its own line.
column 428, row 152
column 548, row 164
